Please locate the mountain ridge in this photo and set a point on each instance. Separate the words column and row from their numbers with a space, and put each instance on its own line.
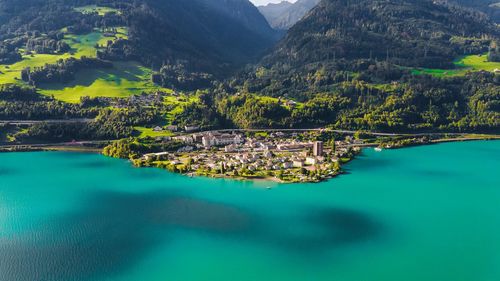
column 284, row 15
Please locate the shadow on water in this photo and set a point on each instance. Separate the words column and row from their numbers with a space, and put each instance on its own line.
column 6, row 171
column 334, row 228
column 111, row 234
column 364, row 162
column 115, row 231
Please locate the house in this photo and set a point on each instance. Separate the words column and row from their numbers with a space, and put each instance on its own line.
column 230, row 148
column 298, row 163
column 157, row 129
column 291, row 103
column 268, row 154
column 294, row 146
column 216, row 139
column 185, row 139
column 287, row 165
column 191, row 129
column 160, row 155
column 198, row 138
column 172, row 128
column 311, row 161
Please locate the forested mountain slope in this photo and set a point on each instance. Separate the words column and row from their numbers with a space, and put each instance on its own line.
column 406, row 32
column 388, row 65
column 202, row 35
column 490, row 7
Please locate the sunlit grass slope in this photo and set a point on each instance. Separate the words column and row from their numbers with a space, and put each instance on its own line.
column 464, row 65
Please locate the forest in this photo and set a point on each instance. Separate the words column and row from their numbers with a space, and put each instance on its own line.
column 383, row 65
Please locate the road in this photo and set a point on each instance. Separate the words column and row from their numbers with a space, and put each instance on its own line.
column 338, row 131
column 54, row 121
column 60, row 144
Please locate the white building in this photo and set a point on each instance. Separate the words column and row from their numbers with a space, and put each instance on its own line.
column 311, row 161
column 230, row 148
column 191, row 128
column 215, row 139
column 298, row 163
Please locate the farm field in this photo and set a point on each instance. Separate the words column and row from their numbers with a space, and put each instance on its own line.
column 464, row 65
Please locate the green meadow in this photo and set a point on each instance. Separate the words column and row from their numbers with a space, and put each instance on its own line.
column 178, row 103
column 124, row 79
column 464, row 64
column 148, row 132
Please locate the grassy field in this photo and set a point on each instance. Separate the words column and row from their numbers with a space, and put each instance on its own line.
column 148, row 132
column 11, row 74
column 81, row 45
column 124, row 79
column 178, row 102
column 464, row 65
column 94, row 8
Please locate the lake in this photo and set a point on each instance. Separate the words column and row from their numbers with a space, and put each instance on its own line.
column 422, row 213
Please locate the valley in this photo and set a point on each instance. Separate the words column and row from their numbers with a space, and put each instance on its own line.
column 220, row 140
column 142, row 75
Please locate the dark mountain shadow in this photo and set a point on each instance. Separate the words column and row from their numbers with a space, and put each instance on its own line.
column 336, row 228
column 114, row 231
column 111, row 234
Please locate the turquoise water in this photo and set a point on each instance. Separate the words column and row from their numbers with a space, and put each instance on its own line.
column 422, row 213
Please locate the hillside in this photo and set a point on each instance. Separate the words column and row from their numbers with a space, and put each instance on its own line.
column 284, row 15
column 410, row 33
column 200, row 31
column 202, row 35
column 490, row 7
column 387, row 65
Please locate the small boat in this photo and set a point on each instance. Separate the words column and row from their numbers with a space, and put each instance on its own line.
column 268, row 187
column 378, row 149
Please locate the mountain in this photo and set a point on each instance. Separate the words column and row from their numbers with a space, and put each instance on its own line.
column 490, row 7
column 273, row 11
column 202, row 35
column 284, row 15
column 404, row 32
column 244, row 12
column 207, row 34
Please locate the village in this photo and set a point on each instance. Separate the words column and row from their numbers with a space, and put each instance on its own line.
column 277, row 156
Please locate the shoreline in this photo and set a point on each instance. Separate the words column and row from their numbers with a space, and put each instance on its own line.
column 265, row 179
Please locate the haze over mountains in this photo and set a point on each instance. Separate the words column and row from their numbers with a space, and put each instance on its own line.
column 284, row 15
